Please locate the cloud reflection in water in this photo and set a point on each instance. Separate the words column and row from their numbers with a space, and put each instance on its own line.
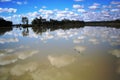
column 21, row 69
column 61, row 61
column 115, row 52
column 6, row 58
column 2, row 40
column 80, row 49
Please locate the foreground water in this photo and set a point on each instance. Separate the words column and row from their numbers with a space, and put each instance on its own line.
column 89, row 53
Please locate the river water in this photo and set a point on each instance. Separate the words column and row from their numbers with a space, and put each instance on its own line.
column 86, row 53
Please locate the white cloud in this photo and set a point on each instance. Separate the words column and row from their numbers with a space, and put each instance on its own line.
column 115, row 2
column 118, row 6
column 5, row 0
column 75, row 14
column 32, row 14
column 104, row 15
column 46, row 12
column 77, row 6
column 115, row 10
column 59, row 14
column 66, row 9
column 9, row 10
column 94, row 6
column 18, row 2
column 81, row 10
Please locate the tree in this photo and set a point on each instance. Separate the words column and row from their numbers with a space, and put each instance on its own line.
column 24, row 20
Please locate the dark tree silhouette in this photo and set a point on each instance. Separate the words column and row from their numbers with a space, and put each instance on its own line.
column 25, row 20
column 65, row 23
column 4, row 23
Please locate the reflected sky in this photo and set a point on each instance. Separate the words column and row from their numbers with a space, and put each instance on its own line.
column 89, row 53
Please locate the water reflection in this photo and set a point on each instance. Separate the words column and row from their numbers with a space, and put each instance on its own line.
column 3, row 40
column 8, row 56
column 19, row 69
column 80, row 49
column 50, row 54
column 61, row 61
column 115, row 52
column 4, row 30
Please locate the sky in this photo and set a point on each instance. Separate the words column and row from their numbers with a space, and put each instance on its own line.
column 86, row 10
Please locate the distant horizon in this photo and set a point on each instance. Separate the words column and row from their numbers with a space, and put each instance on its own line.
column 83, row 10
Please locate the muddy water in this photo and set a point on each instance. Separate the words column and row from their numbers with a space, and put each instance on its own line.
column 89, row 53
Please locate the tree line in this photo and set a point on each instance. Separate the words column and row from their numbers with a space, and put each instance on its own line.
column 4, row 23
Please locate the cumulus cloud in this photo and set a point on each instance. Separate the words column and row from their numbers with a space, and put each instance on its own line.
column 115, row 2
column 61, row 61
column 47, row 12
column 115, row 10
column 59, row 14
column 104, row 13
column 81, row 10
column 66, row 9
column 20, row 2
column 33, row 14
column 9, row 10
column 77, row 6
column 94, row 6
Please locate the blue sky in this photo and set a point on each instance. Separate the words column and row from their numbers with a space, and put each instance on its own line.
column 87, row 10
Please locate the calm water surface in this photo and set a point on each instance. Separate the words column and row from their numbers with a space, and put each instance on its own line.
column 89, row 53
